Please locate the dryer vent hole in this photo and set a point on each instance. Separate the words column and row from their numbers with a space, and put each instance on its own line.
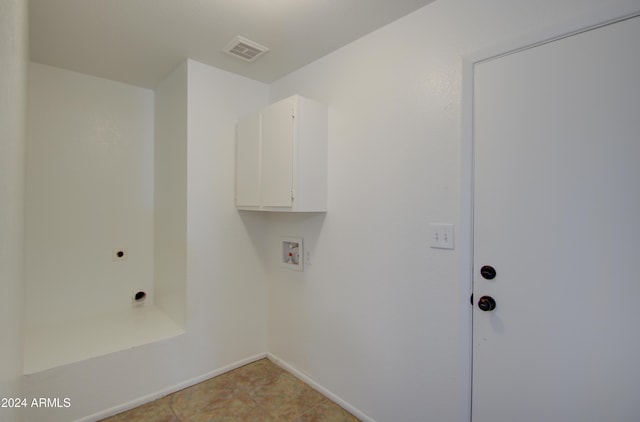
column 140, row 296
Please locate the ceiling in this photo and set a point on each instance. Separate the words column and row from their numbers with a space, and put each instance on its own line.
column 139, row 42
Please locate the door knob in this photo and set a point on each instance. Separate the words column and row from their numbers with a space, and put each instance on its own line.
column 486, row 303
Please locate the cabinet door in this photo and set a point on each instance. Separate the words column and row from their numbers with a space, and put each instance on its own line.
column 277, row 154
column 248, row 161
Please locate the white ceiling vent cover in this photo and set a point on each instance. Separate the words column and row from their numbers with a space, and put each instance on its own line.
column 245, row 49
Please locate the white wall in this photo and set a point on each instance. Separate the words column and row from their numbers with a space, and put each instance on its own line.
column 14, row 54
column 226, row 285
column 89, row 190
column 170, row 195
column 230, row 305
column 380, row 318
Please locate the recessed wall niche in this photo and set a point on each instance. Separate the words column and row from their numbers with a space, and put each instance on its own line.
column 98, row 184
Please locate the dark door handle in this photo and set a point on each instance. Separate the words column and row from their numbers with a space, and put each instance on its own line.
column 487, row 303
column 488, row 272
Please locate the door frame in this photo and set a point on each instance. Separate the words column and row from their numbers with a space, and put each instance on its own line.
column 612, row 13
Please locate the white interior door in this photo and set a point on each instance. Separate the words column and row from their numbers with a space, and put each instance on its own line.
column 557, row 215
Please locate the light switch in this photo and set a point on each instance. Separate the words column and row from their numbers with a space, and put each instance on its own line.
column 442, row 236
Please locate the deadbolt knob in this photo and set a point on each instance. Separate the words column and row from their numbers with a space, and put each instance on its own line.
column 488, row 272
column 487, row 303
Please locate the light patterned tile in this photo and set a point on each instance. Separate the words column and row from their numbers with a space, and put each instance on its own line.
column 156, row 411
column 239, row 408
column 326, row 411
column 205, row 395
column 255, row 375
column 258, row 392
column 286, row 397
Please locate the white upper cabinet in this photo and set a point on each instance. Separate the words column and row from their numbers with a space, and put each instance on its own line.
column 282, row 157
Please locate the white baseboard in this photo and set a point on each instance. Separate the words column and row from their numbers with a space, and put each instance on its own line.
column 166, row 391
column 322, row 390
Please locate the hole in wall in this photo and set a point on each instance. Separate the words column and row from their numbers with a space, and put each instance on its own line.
column 119, row 254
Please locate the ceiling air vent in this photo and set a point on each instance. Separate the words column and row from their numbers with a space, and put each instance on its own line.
column 245, row 49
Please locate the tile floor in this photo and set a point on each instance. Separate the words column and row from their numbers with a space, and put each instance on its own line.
column 258, row 392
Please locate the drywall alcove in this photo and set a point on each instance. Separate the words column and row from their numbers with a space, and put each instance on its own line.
column 105, row 218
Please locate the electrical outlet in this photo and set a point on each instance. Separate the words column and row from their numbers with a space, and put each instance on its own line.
column 442, row 236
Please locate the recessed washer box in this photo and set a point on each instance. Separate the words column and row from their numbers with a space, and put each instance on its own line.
column 291, row 253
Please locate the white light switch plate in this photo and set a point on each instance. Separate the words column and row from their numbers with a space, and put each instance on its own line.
column 442, row 236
